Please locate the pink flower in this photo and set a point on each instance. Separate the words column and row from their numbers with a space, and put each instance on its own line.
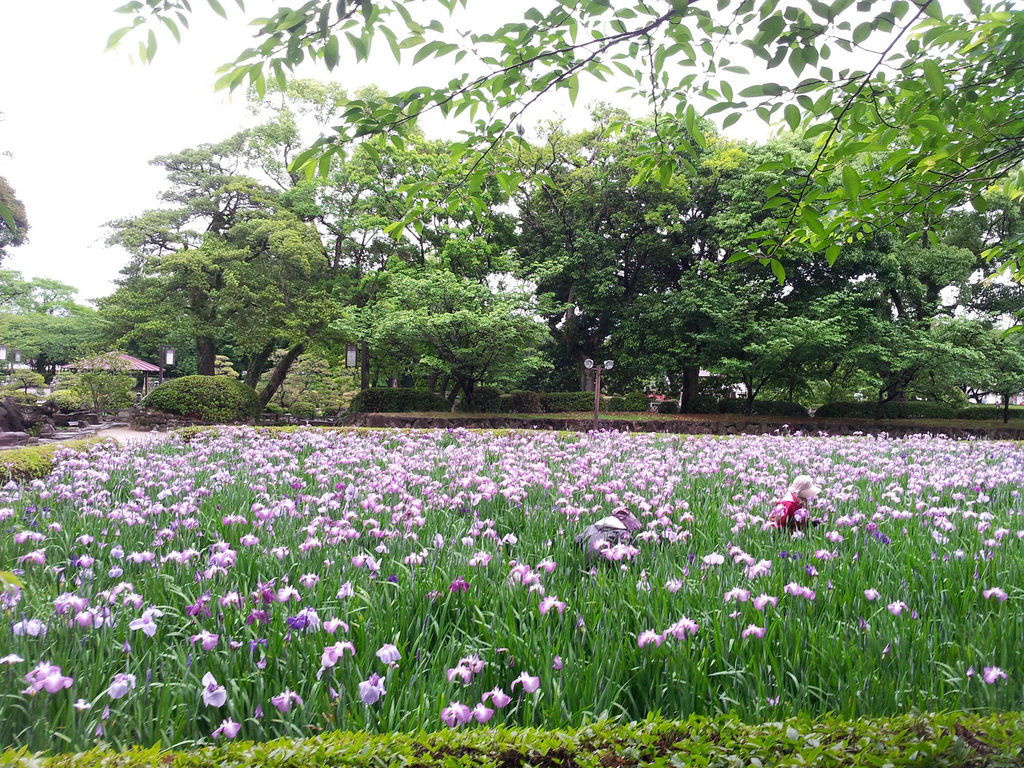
column 285, row 700
column 550, row 602
column 371, row 690
column 649, row 636
column 682, row 629
column 740, row 595
column 214, row 694
column 456, row 713
column 547, row 565
column 482, row 713
column 389, row 654
column 11, row 659
column 674, row 585
column 557, row 663
column 872, row 594
column 333, row 625
column 993, row 674
column 498, row 697
column 996, row 593
column 334, row 653
column 713, row 559
column 207, row 638
column 763, row 601
column 897, row 607
column 753, row 630
column 530, row 684
column 46, row 677
column 120, row 685
column 228, row 729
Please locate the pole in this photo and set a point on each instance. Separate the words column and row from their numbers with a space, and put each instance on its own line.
column 160, row 354
column 597, row 394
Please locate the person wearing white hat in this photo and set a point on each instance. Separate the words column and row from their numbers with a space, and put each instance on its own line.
column 790, row 512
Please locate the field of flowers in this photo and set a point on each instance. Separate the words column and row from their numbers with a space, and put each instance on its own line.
column 254, row 584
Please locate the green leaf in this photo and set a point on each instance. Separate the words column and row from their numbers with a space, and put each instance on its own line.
column 116, row 36
column 851, row 181
column 779, row 270
column 331, row 52
column 9, row 578
column 792, row 114
column 832, row 253
column 573, row 84
column 150, row 45
column 933, row 75
column 218, row 8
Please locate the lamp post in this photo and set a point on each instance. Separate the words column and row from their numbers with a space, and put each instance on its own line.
column 3, row 360
column 166, row 358
column 588, row 364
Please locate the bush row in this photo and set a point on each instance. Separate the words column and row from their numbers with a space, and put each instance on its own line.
column 396, row 400
column 911, row 409
column 36, row 461
column 206, row 398
column 940, row 740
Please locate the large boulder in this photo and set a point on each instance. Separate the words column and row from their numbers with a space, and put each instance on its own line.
column 11, row 417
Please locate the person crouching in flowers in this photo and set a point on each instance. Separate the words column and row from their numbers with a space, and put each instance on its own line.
column 601, row 539
column 790, row 512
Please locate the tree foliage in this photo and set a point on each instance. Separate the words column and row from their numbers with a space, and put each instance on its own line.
column 943, row 90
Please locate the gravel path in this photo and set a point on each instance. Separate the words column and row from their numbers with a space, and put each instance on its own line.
column 127, row 436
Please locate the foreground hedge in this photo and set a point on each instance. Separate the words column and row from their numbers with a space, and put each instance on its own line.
column 950, row 739
column 207, row 398
column 35, row 462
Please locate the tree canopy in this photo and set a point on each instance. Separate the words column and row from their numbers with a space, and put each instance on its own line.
column 910, row 110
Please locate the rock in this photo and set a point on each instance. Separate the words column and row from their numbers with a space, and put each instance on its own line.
column 46, row 430
column 11, row 417
column 8, row 439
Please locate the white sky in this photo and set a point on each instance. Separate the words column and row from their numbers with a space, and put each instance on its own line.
column 81, row 124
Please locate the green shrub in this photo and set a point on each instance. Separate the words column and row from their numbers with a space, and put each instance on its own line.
column 862, row 409
column 303, row 409
column 521, row 401
column 566, row 402
column 988, row 412
column 910, row 409
column 486, row 399
column 65, row 400
column 207, row 398
column 35, row 462
column 703, row 404
column 762, row 407
column 396, row 400
column 20, row 396
column 668, row 406
column 944, row 739
column 636, row 402
column 613, row 403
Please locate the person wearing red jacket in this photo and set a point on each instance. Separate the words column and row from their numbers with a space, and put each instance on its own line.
column 790, row 512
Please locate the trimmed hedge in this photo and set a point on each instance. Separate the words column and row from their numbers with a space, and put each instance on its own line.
column 520, row 401
column 988, row 412
column 207, row 398
column 703, row 404
column 941, row 740
column 762, row 407
column 35, row 462
column 486, row 399
column 397, row 400
column 910, row 409
column 636, row 402
column 566, row 402
column 668, row 406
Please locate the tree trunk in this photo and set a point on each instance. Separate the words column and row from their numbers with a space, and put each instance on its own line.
column 364, row 365
column 206, row 354
column 444, row 385
column 278, row 374
column 432, row 380
column 256, row 363
column 1006, row 408
column 453, row 395
column 691, row 381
